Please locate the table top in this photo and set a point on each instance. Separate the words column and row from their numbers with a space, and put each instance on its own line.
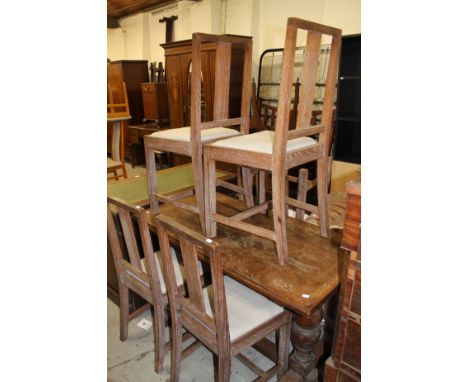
column 312, row 272
column 170, row 180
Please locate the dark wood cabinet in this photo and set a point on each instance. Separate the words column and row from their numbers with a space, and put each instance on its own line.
column 348, row 117
column 154, row 95
column 133, row 73
column 178, row 68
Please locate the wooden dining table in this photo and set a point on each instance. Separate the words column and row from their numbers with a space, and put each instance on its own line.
column 304, row 286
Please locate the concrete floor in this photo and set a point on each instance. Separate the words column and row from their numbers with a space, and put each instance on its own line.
column 133, row 360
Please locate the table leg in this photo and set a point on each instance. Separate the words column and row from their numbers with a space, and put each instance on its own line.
column 305, row 337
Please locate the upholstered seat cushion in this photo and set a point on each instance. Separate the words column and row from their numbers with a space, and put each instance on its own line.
column 262, row 142
column 113, row 163
column 178, row 269
column 246, row 309
column 183, row 134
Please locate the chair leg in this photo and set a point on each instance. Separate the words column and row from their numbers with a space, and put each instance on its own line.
column 279, row 215
column 248, row 185
column 198, row 182
column 224, row 367
column 322, row 191
column 240, row 196
column 176, row 350
column 158, row 334
column 283, row 348
column 123, row 303
column 210, row 195
column 261, row 187
column 124, row 170
column 302, row 191
column 152, row 186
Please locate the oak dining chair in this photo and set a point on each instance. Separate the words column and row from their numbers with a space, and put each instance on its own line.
column 189, row 140
column 227, row 317
column 278, row 151
column 117, row 114
column 141, row 274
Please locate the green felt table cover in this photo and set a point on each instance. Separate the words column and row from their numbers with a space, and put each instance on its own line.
column 135, row 190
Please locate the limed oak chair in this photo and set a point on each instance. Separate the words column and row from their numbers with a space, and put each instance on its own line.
column 189, row 141
column 226, row 317
column 278, row 151
column 117, row 113
column 142, row 275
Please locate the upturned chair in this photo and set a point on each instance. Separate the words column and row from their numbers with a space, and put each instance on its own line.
column 142, row 275
column 189, row 141
column 278, row 151
column 117, row 113
column 227, row 316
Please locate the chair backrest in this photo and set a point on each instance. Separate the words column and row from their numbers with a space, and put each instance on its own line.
column 224, row 47
column 308, row 80
column 131, row 268
column 117, row 110
column 192, row 306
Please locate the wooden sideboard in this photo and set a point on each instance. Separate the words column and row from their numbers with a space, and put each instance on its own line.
column 178, row 67
column 344, row 363
column 133, row 73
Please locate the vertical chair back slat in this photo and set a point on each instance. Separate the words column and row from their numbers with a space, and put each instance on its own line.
column 222, row 81
column 330, row 88
column 311, row 58
column 246, row 89
column 284, row 99
column 129, row 236
column 114, row 241
column 189, row 255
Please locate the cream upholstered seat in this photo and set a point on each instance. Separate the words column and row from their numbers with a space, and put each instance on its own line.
column 246, row 308
column 111, row 163
column 178, row 269
column 183, row 134
column 262, row 142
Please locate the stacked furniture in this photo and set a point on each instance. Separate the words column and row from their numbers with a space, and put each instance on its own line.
column 155, row 118
column 224, row 313
column 133, row 73
column 117, row 114
column 344, row 363
column 278, row 151
column 190, row 140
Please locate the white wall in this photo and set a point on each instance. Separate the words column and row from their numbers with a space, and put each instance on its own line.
column 264, row 20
